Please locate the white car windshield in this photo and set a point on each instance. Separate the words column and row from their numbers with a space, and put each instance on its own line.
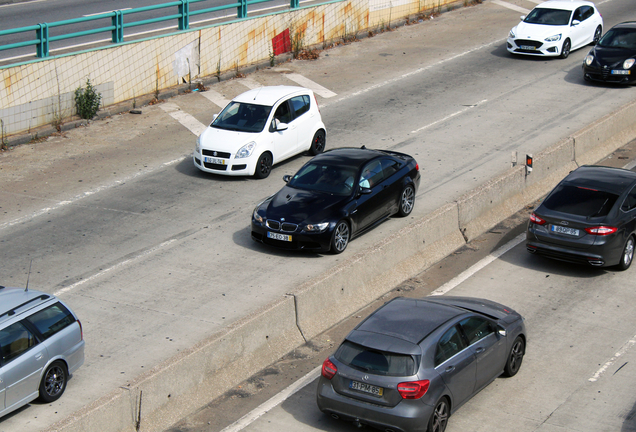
column 545, row 16
column 242, row 117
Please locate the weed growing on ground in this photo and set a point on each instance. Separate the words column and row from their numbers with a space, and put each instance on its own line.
column 87, row 101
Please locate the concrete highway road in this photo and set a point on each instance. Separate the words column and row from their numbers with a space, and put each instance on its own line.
column 154, row 255
column 578, row 373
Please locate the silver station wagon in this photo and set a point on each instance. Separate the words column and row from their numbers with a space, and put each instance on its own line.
column 41, row 344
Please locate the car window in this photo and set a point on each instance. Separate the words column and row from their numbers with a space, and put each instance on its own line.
column 580, row 201
column 389, row 167
column 371, row 174
column 300, row 105
column 449, row 345
column 15, row 340
column 51, row 320
column 242, row 117
column 476, row 328
column 619, row 38
column 283, row 114
column 588, row 11
column 547, row 16
column 630, row 201
column 376, row 361
column 336, row 180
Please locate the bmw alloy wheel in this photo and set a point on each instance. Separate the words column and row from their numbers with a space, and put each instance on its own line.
column 340, row 238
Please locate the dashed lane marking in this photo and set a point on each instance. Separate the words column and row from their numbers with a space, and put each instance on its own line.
column 511, row 6
column 311, row 85
column 250, row 83
column 611, row 361
column 449, row 116
column 192, row 124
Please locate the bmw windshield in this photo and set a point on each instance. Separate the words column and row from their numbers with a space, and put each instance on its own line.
column 335, row 180
column 242, row 117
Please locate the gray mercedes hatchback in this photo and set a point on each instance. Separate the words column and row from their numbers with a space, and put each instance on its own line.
column 413, row 362
column 41, row 345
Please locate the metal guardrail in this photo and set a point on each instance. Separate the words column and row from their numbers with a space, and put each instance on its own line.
column 43, row 39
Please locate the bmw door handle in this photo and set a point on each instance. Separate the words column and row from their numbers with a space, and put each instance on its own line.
column 449, row 369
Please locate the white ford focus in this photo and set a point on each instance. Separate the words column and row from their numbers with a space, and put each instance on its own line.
column 555, row 28
column 260, row 128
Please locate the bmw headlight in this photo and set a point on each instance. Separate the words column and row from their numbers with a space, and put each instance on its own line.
column 246, row 150
column 554, row 38
column 589, row 59
column 258, row 218
column 512, row 34
column 628, row 63
column 316, row 227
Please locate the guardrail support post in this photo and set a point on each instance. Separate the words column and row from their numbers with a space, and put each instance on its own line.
column 118, row 23
column 294, row 4
column 241, row 10
column 184, row 15
column 42, row 35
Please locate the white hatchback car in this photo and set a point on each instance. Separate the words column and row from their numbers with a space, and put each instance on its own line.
column 260, row 128
column 555, row 28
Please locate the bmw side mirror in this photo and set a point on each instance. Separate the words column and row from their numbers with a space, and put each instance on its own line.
column 287, row 178
column 365, row 191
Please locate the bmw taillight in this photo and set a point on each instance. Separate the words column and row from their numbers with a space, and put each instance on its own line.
column 536, row 219
column 329, row 369
column 413, row 389
column 601, row 230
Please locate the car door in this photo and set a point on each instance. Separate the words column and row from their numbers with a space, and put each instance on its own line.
column 391, row 184
column 487, row 346
column 372, row 196
column 285, row 142
column 581, row 33
column 303, row 121
column 455, row 363
column 23, row 359
column 627, row 215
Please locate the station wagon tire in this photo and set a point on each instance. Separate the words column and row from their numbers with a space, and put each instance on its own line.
column 515, row 357
column 565, row 50
column 318, row 143
column 597, row 35
column 263, row 166
column 340, row 237
column 53, row 382
column 628, row 254
column 439, row 419
column 407, row 201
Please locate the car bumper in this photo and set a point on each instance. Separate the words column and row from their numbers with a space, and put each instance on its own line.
column 605, row 254
column 408, row 415
column 320, row 241
column 534, row 48
column 608, row 75
column 229, row 167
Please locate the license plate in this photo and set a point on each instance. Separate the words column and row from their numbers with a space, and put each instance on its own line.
column 565, row 230
column 277, row 236
column 366, row 388
column 528, row 47
column 620, row 72
column 216, row 161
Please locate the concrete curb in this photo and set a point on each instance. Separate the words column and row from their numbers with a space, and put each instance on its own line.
column 180, row 385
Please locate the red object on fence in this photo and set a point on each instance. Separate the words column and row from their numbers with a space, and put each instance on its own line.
column 281, row 43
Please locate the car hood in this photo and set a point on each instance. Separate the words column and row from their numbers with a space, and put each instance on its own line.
column 612, row 56
column 297, row 206
column 537, row 31
column 225, row 140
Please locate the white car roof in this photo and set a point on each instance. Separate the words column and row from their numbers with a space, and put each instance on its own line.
column 269, row 95
column 564, row 4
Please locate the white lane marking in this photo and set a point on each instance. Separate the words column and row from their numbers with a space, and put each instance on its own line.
column 536, row 1
column 79, row 197
column 250, row 417
column 313, row 86
column 115, row 267
column 620, row 352
column 192, row 124
column 449, row 116
column 21, row 3
column 250, row 83
column 511, row 6
column 100, row 13
column 479, row 265
column 215, row 97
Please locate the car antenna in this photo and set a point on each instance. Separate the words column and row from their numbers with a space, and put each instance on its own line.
column 28, row 275
column 259, row 90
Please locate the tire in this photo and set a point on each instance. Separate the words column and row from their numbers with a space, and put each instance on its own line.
column 515, row 358
column 340, row 237
column 53, row 382
column 407, row 201
column 628, row 254
column 263, row 166
column 597, row 35
column 318, row 143
column 565, row 50
column 439, row 419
